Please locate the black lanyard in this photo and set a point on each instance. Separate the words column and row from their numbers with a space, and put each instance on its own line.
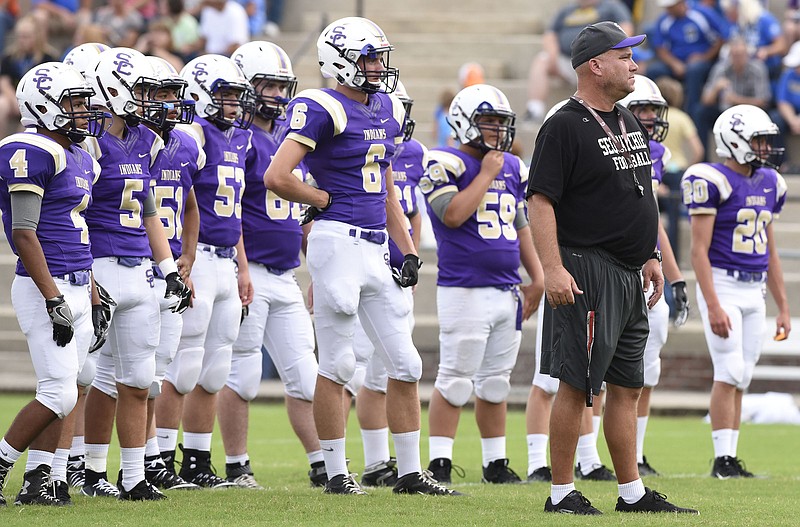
column 617, row 144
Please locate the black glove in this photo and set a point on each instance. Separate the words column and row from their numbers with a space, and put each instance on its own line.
column 681, row 302
column 106, row 302
column 177, row 290
column 313, row 212
column 408, row 275
column 61, row 317
column 100, row 323
column 245, row 312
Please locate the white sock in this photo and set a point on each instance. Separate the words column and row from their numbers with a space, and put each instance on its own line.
column 407, row 447
column 333, row 453
column 559, row 492
column 167, row 439
column 376, row 445
column 201, row 441
column 587, row 453
column 493, row 448
column 132, row 465
column 440, row 446
column 8, row 453
column 734, row 442
column 96, row 457
column 596, row 419
column 314, row 457
column 641, row 428
column 537, row 452
column 151, row 448
column 58, row 471
column 631, row 492
column 722, row 441
column 78, row 448
column 239, row 460
column 38, row 457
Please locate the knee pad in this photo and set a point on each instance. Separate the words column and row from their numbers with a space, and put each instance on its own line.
column 58, row 395
column 652, row 372
column 104, row 377
column 729, row 368
column 357, row 380
column 547, row 384
column 215, row 371
column 343, row 369
column 140, row 374
column 184, row 371
column 494, row 389
column 245, row 375
column 406, row 367
column 86, row 375
column 301, row 378
column 155, row 388
column 455, row 390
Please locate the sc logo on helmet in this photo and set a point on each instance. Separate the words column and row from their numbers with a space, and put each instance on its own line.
column 42, row 79
column 124, row 63
column 337, row 34
column 736, row 122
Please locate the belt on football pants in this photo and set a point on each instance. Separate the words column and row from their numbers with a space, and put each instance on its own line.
column 81, row 277
column 273, row 270
column 747, row 276
column 222, row 252
column 377, row 237
column 127, row 261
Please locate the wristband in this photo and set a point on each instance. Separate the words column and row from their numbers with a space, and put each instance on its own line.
column 168, row 266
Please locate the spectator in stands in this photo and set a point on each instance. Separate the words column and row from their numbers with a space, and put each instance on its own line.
column 686, row 41
column 787, row 101
column 9, row 10
column 147, row 8
column 442, row 133
column 738, row 79
column 60, row 18
column 122, row 23
column 158, row 43
column 256, row 14
column 187, row 42
column 761, row 31
column 274, row 18
column 224, row 26
column 791, row 22
column 554, row 59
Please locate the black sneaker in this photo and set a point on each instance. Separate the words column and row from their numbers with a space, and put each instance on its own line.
column 725, row 467
column 743, row 472
column 541, row 474
column 142, row 491
column 645, row 469
column 37, row 489
column 61, row 492
column 196, row 468
column 441, row 468
column 600, row 473
column 157, row 474
column 573, row 503
column 499, row 472
column 5, row 468
column 168, row 456
column 652, row 501
column 343, row 484
column 241, row 475
column 318, row 475
column 75, row 471
column 422, row 483
column 97, row 485
column 380, row 474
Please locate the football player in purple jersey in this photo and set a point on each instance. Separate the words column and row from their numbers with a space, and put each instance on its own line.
column 476, row 201
column 126, row 232
column 277, row 318
column 732, row 206
column 45, row 187
column 347, row 136
column 224, row 111
column 370, row 380
column 650, row 107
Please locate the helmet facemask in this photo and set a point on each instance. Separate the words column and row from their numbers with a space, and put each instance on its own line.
column 243, row 100
column 503, row 131
column 272, row 107
column 763, row 152
column 352, row 72
column 68, row 122
column 171, row 108
column 657, row 125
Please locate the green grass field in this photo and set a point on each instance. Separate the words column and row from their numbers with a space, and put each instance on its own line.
column 678, row 447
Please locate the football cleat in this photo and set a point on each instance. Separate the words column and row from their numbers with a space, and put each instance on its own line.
column 573, row 503
column 60, row 490
column 97, row 485
column 598, row 473
column 5, row 468
column 652, row 501
column 343, row 484
column 441, row 469
column 645, row 469
column 142, row 491
column 725, row 467
column 380, row 474
column 196, row 468
column 241, row 475
column 318, row 474
column 37, row 489
column 499, row 472
column 422, row 483
column 743, row 472
column 168, row 457
column 157, row 474
column 541, row 474
column 75, row 474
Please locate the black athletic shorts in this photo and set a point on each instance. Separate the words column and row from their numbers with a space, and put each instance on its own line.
column 613, row 290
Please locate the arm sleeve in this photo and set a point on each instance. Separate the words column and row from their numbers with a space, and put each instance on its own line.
column 25, row 210
column 149, row 205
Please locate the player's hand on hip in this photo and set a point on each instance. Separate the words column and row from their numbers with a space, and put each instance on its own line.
column 652, row 275
column 681, row 300
column 719, row 321
column 560, row 287
column 408, row 275
column 100, row 324
column 61, row 317
column 312, row 212
column 177, row 292
column 492, row 163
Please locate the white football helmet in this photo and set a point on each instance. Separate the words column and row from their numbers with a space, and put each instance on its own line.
column 646, row 93
column 124, row 81
column 84, row 57
column 482, row 100
column 44, row 96
column 264, row 61
column 207, row 76
column 344, row 42
column 170, row 94
column 556, row 107
column 747, row 134
column 409, row 124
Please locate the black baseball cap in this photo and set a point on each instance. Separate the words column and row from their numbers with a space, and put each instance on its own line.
column 598, row 38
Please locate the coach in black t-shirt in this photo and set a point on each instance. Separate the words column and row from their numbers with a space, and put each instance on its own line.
column 594, row 222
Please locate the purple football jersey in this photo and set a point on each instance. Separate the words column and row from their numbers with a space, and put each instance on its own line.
column 743, row 206
column 30, row 162
column 270, row 224
column 115, row 219
column 659, row 155
column 352, row 145
column 408, row 164
column 173, row 171
column 484, row 250
column 218, row 187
